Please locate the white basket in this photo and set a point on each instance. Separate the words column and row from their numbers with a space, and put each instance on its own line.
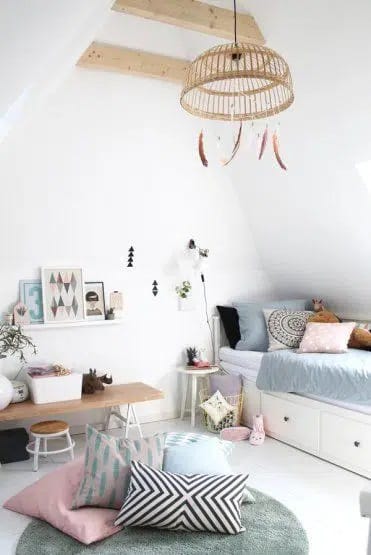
column 55, row 388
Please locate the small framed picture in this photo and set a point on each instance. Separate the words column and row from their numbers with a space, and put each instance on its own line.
column 31, row 295
column 95, row 307
column 63, row 294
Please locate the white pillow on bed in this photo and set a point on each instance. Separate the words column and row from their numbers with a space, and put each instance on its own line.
column 285, row 327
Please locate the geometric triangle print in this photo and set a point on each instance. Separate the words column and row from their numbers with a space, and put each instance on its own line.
column 59, row 282
column 68, row 309
column 54, row 307
column 73, row 282
column 66, row 282
column 75, row 305
column 60, row 302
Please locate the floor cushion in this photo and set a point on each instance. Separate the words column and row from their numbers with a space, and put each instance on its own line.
column 50, row 499
column 107, row 466
column 192, row 502
column 271, row 530
column 204, row 457
column 188, row 438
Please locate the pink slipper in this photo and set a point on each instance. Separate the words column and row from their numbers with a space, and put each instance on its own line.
column 257, row 435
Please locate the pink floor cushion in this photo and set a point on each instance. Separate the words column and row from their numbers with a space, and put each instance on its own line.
column 237, row 433
column 50, row 499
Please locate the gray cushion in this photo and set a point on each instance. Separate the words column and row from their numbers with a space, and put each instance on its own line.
column 227, row 385
column 254, row 336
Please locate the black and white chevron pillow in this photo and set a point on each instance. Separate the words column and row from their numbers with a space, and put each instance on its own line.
column 192, row 502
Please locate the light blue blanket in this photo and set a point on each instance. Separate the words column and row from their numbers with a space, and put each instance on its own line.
column 344, row 377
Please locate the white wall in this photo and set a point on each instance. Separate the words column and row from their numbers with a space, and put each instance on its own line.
column 108, row 162
column 312, row 224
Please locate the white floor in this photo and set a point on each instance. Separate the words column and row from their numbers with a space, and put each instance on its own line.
column 323, row 496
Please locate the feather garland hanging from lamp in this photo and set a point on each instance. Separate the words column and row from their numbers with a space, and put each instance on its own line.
column 237, row 82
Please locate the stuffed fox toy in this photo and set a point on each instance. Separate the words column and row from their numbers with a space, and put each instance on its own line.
column 360, row 338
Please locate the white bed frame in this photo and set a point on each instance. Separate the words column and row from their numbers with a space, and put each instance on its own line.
column 338, row 435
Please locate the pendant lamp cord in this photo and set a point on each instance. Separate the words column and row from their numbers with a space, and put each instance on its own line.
column 235, row 21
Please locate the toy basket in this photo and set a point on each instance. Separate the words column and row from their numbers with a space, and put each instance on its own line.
column 232, row 419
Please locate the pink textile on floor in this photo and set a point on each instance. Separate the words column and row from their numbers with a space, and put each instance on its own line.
column 50, row 499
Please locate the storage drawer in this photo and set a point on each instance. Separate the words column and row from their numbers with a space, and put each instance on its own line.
column 251, row 402
column 291, row 422
column 346, row 442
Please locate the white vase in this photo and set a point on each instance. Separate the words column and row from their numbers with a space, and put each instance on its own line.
column 6, row 392
column 185, row 304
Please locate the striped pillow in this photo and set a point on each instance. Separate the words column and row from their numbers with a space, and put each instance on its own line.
column 107, row 467
column 191, row 502
column 185, row 438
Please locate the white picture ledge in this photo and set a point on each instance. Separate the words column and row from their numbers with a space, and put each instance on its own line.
column 82, row 324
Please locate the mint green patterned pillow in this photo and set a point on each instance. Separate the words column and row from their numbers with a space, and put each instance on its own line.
column 107, row 467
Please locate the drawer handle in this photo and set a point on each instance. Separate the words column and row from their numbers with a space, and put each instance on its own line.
column 286, row 418
column 357, row 443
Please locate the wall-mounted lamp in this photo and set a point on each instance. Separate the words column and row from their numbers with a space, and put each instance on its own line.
column 200, row 260
column 203, row 253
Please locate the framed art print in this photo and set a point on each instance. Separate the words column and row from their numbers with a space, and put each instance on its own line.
column 30, row 294
column 95, row 308
column 63, row 294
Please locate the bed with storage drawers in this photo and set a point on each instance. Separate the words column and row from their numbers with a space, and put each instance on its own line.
column 333, row 429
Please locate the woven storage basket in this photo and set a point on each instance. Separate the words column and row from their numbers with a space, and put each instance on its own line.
column 233, row 418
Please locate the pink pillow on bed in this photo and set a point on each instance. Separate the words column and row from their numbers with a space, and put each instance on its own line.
column 326, row 338
column 50, row 499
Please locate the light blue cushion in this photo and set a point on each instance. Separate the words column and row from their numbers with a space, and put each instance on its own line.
column 205, row 457
column 254, row 336
column 186, row 438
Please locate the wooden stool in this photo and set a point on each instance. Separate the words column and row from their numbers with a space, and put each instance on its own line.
column 50, row 429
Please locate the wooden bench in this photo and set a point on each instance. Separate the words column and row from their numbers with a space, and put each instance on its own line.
column 110, row 399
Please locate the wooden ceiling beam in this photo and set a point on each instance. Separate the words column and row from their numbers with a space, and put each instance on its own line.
column 196, row 16
column 135, row 62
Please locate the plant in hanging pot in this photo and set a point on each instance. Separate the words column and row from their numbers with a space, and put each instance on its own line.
column 183, row 292
column 12, row 343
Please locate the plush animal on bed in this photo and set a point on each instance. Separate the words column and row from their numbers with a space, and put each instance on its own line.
column 322, row 315
column 92, row 383
column 360, row 337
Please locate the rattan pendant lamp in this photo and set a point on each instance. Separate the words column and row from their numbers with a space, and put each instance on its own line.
column 237, row 81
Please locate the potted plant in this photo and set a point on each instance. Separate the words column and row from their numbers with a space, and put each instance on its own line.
column 192, row 354
column 12, row 343
column 183, row 292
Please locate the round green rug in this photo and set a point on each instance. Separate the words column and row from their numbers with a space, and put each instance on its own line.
column 271, row 529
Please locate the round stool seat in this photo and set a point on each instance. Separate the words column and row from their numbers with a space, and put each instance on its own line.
column 42, row 432
column 49, row 427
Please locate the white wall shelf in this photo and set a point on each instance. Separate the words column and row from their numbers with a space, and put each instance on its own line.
column 82, row 324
